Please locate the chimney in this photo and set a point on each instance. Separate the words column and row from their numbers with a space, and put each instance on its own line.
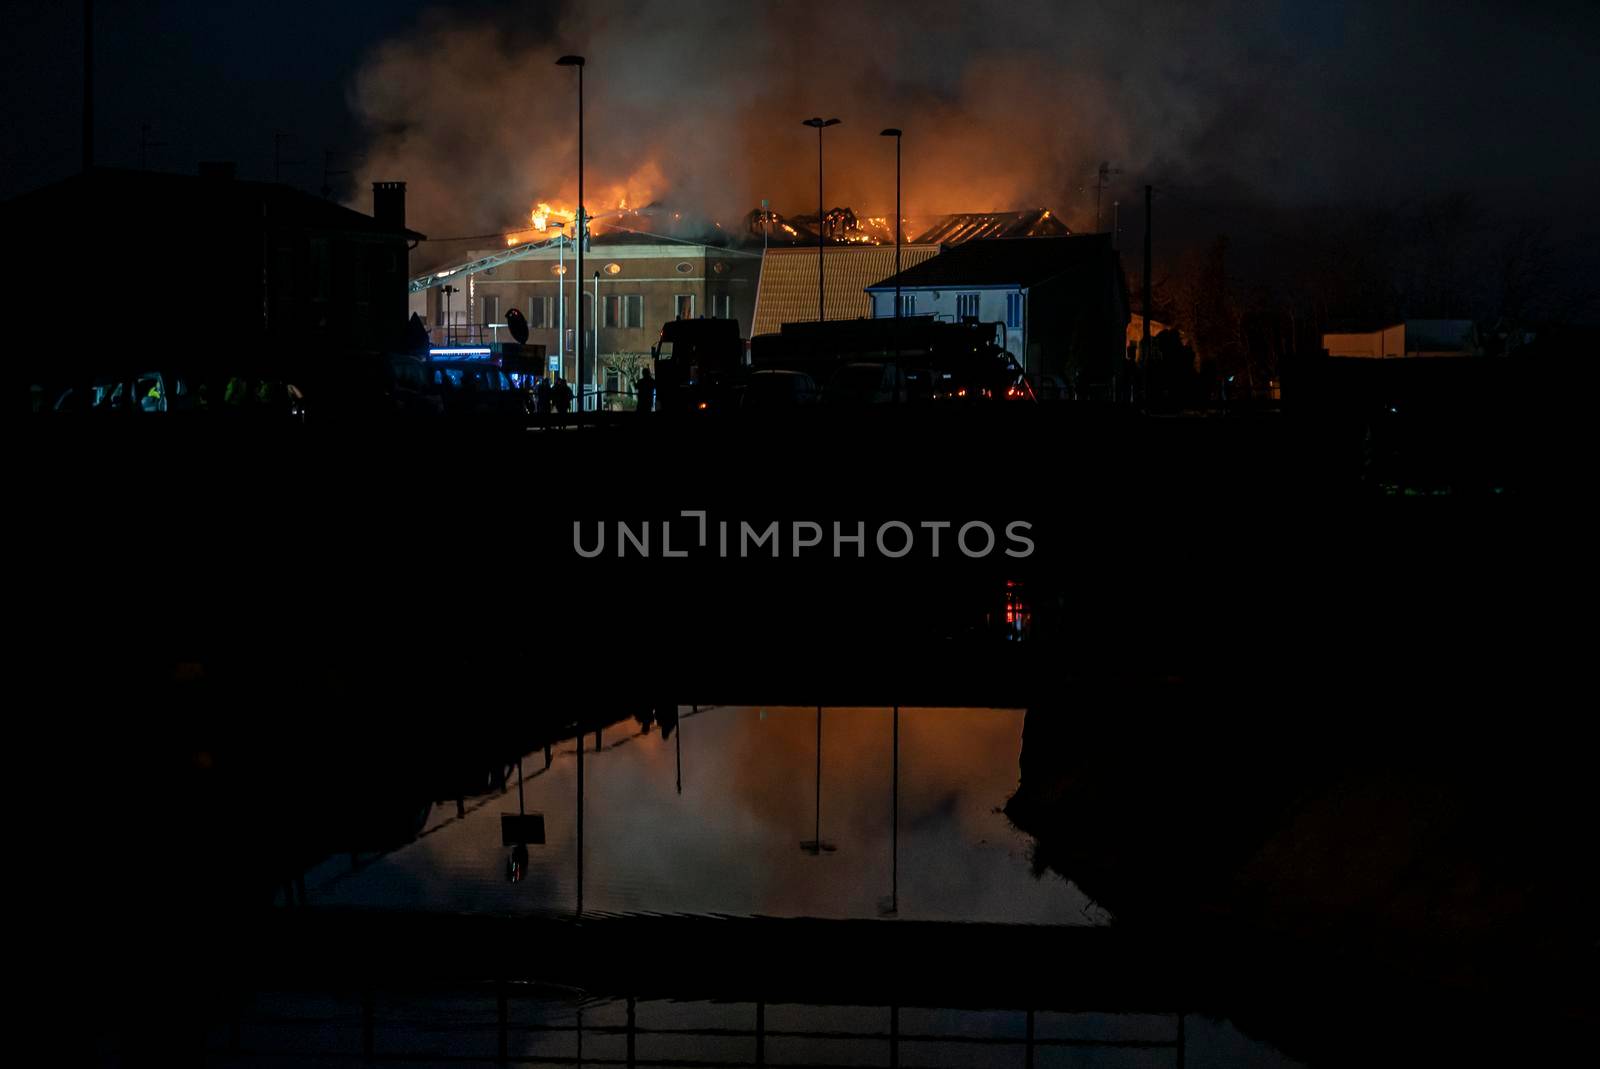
column 389, row 204
column 216, row 169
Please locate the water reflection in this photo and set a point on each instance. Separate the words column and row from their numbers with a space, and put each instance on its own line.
column 699, row 810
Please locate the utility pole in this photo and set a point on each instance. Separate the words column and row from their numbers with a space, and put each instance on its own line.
column 1144, row 344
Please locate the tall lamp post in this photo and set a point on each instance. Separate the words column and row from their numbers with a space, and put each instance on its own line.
column 892, row 132
column 895, row 133
column 578, row 229
column 820, row 124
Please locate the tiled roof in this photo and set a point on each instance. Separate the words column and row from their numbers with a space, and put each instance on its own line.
column 788, row 291
column 1007, row 262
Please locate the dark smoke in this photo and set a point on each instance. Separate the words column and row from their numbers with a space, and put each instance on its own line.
column 698, row 104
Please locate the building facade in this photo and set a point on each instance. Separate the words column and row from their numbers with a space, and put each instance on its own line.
column 640, row 285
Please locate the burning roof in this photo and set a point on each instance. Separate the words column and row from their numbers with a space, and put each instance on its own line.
column 967, row 226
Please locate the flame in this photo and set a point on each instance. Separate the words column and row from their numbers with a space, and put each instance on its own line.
column 542, row 213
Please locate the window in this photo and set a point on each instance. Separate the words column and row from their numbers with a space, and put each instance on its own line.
column 966, row 305
column 491, row 310
column 1014, row 311
column 683, row 305
column 539, row 312
column 722, row 306
column 908, row 304
column 624, row 310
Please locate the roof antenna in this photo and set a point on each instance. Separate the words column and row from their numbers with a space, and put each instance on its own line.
column 1102, row 179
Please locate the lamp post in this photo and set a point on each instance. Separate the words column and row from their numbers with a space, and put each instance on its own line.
column 561, row 296
column 578, row 230
column 895, row 133
column 597, row 321
column 892, row 132
column 820, row 124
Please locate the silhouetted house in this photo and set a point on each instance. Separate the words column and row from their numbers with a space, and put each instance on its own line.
column 202, row 267
column 1064, row 300
column 1411, row 337
column 788, row 289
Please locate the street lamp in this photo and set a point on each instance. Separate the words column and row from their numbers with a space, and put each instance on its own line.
column 578, row 229
column 892, row 132
column 820, row 124
column 895, row 133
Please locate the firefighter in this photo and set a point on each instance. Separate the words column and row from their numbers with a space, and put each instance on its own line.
column 647, row 391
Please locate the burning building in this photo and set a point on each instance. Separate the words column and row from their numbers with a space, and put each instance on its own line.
column 635, row 280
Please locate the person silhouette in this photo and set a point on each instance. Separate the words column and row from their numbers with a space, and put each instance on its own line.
column 647, row 392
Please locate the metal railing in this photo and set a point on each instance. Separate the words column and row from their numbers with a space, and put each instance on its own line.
column 460, row 1029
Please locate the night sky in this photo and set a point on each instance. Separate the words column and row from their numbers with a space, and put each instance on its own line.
column 1243, row 101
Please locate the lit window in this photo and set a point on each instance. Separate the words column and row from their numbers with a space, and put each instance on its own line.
column 613, row 269
column 683, row 305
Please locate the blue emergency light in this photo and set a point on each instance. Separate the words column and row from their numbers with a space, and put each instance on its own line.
column 462, row 353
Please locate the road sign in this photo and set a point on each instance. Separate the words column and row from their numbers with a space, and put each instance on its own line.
column 521, row 829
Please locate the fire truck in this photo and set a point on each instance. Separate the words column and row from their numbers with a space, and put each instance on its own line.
column 937, row 359
column 700, row 364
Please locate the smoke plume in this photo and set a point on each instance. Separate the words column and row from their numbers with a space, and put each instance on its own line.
column 697, row 104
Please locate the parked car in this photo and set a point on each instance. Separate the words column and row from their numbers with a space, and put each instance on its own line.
column 778, row 389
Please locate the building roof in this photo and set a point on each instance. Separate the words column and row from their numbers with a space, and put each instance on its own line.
column 971, row 226
column 788, row 290
column 157, row 198
column 1019, row 262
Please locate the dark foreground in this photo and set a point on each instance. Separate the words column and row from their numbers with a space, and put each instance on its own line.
column 1304, row 741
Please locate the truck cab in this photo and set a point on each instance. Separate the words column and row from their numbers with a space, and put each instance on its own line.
column 699, row 364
